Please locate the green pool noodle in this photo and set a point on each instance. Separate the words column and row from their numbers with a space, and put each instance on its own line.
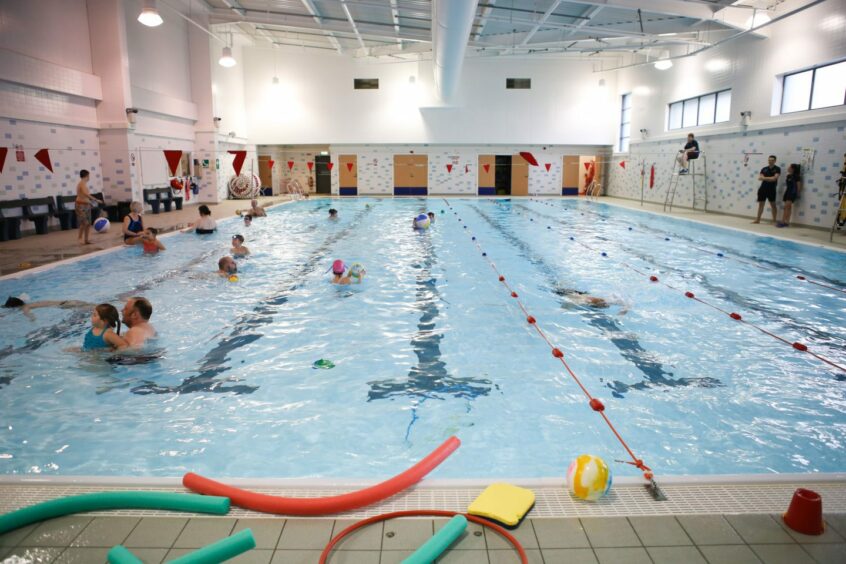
column 220, row 551
column 120, row 555
column 441, row 540
column 113, row 500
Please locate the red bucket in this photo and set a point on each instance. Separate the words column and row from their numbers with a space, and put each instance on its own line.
column 805, row 513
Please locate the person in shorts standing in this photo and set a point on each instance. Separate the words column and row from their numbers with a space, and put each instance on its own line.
column 767, row 192
column 82, row 207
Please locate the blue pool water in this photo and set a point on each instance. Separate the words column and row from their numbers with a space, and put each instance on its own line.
column 432, row 345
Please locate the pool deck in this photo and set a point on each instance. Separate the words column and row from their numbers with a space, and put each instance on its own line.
column 704, row 520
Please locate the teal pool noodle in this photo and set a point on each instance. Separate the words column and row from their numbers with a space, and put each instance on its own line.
column 436, row 545
column 113, row 500
column 221, row 550
column 120, row 555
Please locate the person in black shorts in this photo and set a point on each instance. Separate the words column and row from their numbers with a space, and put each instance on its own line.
column 690, row 151
column 769, row 180
column 791, row 194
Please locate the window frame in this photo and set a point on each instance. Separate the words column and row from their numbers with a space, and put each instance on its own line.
column 714, row 93
column 813, row 70
column 627, row 97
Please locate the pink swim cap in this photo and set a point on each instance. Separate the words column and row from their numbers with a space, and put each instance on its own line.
column 338, row 267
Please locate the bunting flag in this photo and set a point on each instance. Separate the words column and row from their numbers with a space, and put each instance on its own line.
column 652, row 176
column 239, row 161
column 43, row 157
column 310, row 165
column 587, row 165
column 487, row 167
column 290, row 165
column 623, row 164
column 172, row 158
column 449, row 167
column 3, row 152
column 547, row 165
column 466, row 169
column 530, row 158
column 349, row 167
column 330, row 165
column 270, row 163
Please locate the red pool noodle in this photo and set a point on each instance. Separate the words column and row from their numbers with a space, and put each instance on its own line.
column 323, row 505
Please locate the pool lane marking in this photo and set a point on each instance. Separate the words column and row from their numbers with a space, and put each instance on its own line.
column 736, row 316
column 726, row 253
column 594, row 403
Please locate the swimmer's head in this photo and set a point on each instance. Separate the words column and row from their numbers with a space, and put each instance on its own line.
column 333, row 212
column 254, row 203
column 228, row 265
column 204, row 210
column 338, row 267
column 248, row 219
column 431, row 215
column 239, row 238
column 14, row 302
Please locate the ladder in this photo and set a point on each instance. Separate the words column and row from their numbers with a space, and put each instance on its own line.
column 839, row 215
column 698, row 188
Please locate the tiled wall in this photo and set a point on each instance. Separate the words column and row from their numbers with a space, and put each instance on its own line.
column 300, row 172
column 733, row 184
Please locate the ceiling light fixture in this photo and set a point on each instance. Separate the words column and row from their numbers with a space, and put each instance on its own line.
column 226, row 59
column 663, row 64
column 149, row 15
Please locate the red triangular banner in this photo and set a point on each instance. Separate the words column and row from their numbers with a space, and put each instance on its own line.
column 547, row 165
column 466, row 169
column 290, row 165
column 310, row 165
column 449, row 168
column 349, row 167
column 587, row 165
column 239, row 161
column 330, row 165
column 623, row 164
column 487, row 167
column 270, row 163
column 172, row 158
column 3, row 152
column 43, row 157
column 530, row 158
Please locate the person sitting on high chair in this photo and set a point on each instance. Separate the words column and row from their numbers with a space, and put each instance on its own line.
column 690, row 152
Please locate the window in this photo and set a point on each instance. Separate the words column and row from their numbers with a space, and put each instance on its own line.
column 366, row 83
column 819, row 87
column 625, row 123
column 518, row 83
column 701, row 110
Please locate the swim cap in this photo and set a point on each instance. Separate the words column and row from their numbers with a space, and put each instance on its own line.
column 338, row 267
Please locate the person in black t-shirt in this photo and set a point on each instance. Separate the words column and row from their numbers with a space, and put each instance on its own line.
column 690, row 151
column 769, row 180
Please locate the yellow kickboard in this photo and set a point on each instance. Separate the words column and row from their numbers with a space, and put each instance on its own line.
column 503, row 503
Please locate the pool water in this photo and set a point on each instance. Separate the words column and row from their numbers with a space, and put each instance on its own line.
column 431, row 345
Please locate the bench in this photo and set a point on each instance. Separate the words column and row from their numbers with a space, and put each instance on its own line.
column 37, row 210
column 158, row 196
column 66, row 212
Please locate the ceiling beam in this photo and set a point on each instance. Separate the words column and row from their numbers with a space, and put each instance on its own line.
column 395, row 18
column 483, row 19
column 352, row 23
column 680, row 8
column 538, row 25
column 312, row 9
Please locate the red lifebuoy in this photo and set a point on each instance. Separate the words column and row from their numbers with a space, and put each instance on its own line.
column 175, row 184
column 591, row 172
column 323, row 505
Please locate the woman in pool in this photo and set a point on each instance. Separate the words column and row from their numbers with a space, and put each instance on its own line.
column 18, row 302
column 206, row 225
column 105, row 330
column 133, row 225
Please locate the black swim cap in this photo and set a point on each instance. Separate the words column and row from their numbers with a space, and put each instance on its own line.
column 14, row 302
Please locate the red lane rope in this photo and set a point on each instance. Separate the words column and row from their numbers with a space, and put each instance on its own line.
column 595, row 404
column 524, row 559
column 736, row 316
column 740, row 259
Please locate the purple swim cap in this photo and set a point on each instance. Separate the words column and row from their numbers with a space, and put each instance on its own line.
column 338, row 267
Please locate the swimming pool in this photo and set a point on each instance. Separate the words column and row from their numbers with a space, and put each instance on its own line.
column 432, row 345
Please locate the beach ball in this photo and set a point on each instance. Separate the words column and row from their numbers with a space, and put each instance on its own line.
column 233, row 278
column 101, row 225
column 421, row 221
column 588, row 477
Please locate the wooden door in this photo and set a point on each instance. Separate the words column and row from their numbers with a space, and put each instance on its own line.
column 323, row 176
column 411, row 175
column 570, row 180
column 348, row 174
column 487, row 178
column 519, row 176
column 265, row 174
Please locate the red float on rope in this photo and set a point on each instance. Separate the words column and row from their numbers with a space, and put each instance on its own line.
column 531, row 320
column 801, row 277
column 735, row 316
column 653, row 278
column 689, row 294
column 502, row 278
column 800, row 347
column 513, row 294
column 596, row 405
column 557, row 353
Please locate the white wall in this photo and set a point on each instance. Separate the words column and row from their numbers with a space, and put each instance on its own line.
column 315, row 102
column 228, row 92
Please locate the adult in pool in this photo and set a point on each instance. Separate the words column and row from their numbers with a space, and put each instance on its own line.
column 227, row 267
column 18, row 302
column 136, row 316
column 579, row 297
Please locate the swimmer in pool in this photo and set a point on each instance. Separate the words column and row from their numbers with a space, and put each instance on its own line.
column 431, row 217
column 136, row 316
column 226, row 267
column 338, row 271
column 238, row 249
column 333, row 214
column 579, row 297
column 13, row 303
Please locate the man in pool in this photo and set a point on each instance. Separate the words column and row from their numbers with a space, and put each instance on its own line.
column 579, row 297
column 256, row 210
column 226, row 267
column 136, row 316
column 333, row 214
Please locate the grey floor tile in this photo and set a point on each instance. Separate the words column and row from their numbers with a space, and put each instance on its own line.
column 709, row 529
column 525, row 535
column 827, row 553
column 155, row 532
column 202, row 531
column 837, row 521
column 254, row 556
column 296, row 557
column 35, row 554
column 56, row 532
column 608, row 532
column 472, row 539
column 675, row 555
column 305, row 534
column 759, row 529
column 14, row 537
column 511, row 556
column 660, row 531
column 106, row 531
column 830, row 534
column 406, row 534
column 394, row 556
column 353, row 557
column 150, row 555
column 265, row 531
column 729, row 554
column 463, row 557
column 85, row 555
column 630, row 555
column 569, row 556
column 560, row 533
column 368, row 538
column 782, row 554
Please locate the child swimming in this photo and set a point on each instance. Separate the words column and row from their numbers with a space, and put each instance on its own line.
column 150, row 241
column 238, row 249
column 338, row 270
column 105, row 330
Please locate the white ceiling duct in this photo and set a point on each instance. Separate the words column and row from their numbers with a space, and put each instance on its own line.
column 452, row 21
